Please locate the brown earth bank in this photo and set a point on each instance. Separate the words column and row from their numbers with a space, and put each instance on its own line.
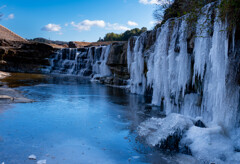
column 76, row 44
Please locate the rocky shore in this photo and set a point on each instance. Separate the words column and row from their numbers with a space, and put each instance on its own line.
column 9, row 95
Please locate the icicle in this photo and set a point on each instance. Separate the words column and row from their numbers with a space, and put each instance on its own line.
column 136, row 66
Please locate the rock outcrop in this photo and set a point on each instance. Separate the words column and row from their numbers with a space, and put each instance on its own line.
column 16, row 56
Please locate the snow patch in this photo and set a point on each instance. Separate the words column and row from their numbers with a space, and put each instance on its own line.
column 211, row 145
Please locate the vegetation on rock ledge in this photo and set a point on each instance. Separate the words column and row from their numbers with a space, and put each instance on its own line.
column 230, row 10
column 124, row 36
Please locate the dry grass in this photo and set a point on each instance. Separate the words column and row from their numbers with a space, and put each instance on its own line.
column 89, row 44
column 6, row 34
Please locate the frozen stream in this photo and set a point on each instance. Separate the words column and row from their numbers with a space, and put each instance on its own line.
column 74, row 121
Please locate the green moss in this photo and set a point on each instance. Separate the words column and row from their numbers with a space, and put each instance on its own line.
column 230, row 11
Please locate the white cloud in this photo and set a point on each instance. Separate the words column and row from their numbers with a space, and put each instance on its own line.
column 52, row 27
column 131, row 23
column 87, row 24
column 116, row 27
column 155, row 2
column 10, row 16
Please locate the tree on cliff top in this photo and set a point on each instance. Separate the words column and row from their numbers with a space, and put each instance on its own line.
column 178, row 8
column 124, row 36
column 167, row 9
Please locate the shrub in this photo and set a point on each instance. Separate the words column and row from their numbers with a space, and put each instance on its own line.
column 230, row 9
column 124, row 36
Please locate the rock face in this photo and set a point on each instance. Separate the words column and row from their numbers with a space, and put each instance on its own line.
column 117, row 62
column 24, row 56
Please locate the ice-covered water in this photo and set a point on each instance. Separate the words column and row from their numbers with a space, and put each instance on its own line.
column 189, row 70
column 74, row 121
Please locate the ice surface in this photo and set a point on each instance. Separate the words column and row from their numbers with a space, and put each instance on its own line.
column 42, row 162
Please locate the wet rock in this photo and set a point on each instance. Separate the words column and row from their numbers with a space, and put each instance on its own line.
column 200, row 124
column 171, row 143
column 151, row 38
column 185, row 150
column 165, row 133
column 5, row 98
column 190, row 40
column 117, row 62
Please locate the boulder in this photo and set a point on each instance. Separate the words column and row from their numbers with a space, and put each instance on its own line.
column 165, row 133
column 200, row 124
column 72, row 45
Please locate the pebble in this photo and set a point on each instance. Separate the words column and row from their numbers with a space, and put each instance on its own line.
column 32, row 157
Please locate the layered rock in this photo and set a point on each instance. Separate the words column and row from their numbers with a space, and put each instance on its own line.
column 24, row 56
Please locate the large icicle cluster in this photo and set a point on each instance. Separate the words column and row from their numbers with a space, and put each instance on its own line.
column 191, row 82
column 136, row 65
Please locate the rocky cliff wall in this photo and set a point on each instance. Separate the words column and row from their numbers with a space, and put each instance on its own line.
column 27, row 57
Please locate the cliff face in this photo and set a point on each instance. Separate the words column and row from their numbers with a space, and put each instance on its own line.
column 24, row 56
column 192, row 71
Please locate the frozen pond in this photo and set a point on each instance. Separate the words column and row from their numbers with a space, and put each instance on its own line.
column 74, row 121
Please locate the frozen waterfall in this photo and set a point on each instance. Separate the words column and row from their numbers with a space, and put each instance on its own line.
column 193, row 83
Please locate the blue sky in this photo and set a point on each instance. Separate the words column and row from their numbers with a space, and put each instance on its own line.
column 75, row 20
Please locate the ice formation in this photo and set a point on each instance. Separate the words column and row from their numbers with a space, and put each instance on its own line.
column 156, row 130
column 195, row 77
column 136, row 65
column 211, row 144
column 82, row 61
column 191, row 82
